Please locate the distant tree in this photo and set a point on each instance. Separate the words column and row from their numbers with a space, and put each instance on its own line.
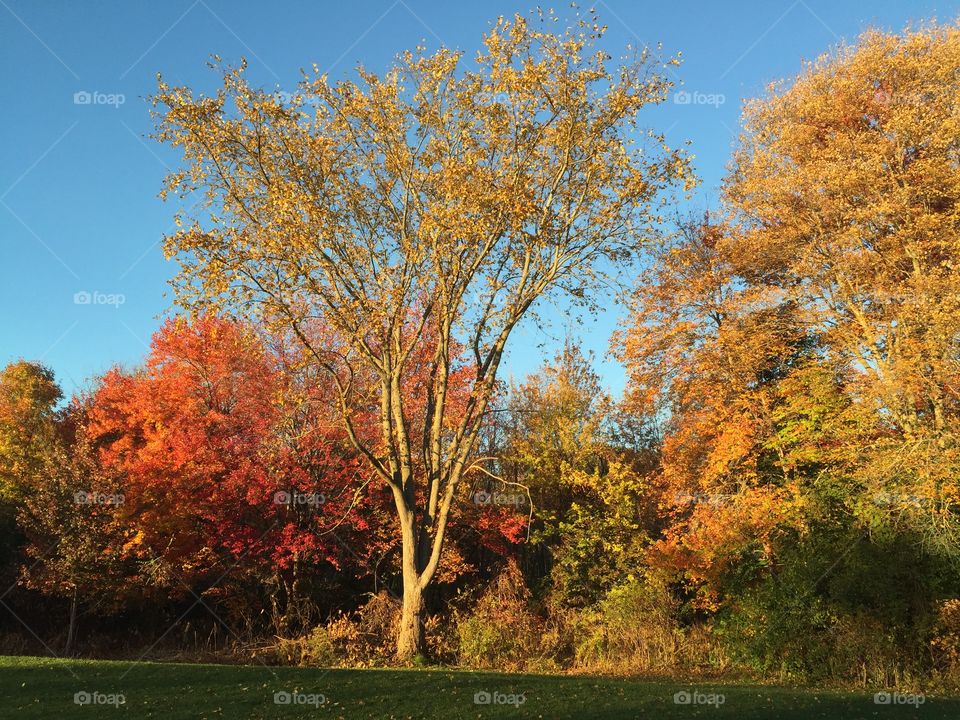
column 77, row 537
column 224, row 467
column 587, row 491
column 28, row 423
column 554, row 430
column 705, row 360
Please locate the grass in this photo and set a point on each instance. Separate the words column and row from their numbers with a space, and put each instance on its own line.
column 45, row 688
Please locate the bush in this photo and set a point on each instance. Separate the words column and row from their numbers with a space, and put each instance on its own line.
column 634, row 628
column 945, row 641
column 363, row 638
column 501, row 632
column 866, row 620
column 315, row 649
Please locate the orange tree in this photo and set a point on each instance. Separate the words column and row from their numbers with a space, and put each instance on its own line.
column 804, row 351
column 230, row 465
column 846, row 200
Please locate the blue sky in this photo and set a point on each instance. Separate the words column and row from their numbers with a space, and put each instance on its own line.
column 79, row 215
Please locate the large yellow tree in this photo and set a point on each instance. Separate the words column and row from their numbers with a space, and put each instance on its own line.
column 845, row 195
column 417, row 217
column 814, row 332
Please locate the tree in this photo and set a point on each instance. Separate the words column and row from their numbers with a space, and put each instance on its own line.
column 77, row 537
column 28, row 423
column 227, row 466
column 417, row 213
column 187, row 433
column 802, row 354
column 707, row 358
column 560, row 447
column 29, row 426
column 845, row 195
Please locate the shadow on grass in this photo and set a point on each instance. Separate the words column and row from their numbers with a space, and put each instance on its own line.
column 47, row 688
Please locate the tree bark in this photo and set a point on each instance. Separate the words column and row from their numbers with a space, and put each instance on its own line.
column 410, row 637
column 410, row 640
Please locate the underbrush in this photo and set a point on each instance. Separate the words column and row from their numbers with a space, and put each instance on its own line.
column 636, row 629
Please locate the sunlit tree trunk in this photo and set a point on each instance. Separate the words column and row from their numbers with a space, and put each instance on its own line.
column 410, row 639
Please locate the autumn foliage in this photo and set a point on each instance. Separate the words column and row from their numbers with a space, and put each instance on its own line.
column 322, row 455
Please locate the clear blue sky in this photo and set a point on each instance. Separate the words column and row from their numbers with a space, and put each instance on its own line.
column 79, row 211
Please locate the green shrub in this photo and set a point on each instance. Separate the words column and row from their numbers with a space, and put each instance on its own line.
column 314, row 648
column 866, row 618
column 501, row 632
column 632, row 629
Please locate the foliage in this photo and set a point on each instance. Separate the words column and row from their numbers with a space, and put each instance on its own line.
column 322, row 452
column 500, row 631
column 845, row 194
column 636, row 628
column 28, row 399
column 587, row 488
column 801, row 349
column 77, row 541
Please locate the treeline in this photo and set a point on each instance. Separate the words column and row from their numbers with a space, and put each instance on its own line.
column 214, row 481
column 776, row 493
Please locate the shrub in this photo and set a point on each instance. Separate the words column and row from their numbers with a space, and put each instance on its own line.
column 501, row 632
column 865, row 620
column 314, row 648
column 632, row 629
column 363, row 638
column 945, row 640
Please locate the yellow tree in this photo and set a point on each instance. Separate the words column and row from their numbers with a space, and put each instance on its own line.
column 417, row 217
column 846, row 193
column 28, row 424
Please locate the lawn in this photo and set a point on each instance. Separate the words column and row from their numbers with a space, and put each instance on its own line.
column 47, row 688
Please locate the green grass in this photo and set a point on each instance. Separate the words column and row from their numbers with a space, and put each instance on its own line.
column 45, row 688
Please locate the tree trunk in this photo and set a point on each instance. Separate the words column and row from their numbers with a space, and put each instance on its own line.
column 71, row 628
column 410, row 641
